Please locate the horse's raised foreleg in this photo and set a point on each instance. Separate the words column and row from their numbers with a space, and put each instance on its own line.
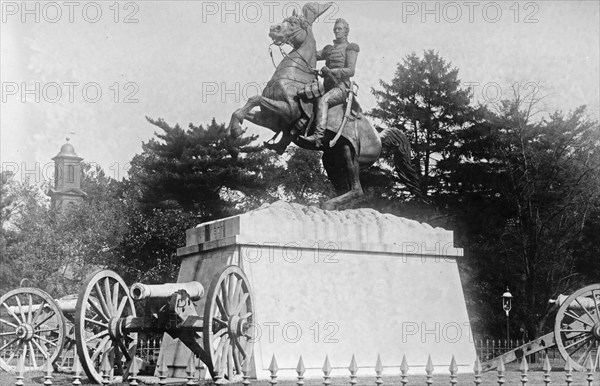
column 286, row 118
column 274, row 123
column 238, row 116
column 352, row 171
column 269, row 107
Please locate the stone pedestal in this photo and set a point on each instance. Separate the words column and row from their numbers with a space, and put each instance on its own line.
column 337, row 283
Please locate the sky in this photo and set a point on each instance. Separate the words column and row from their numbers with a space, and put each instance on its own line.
column 92, row 71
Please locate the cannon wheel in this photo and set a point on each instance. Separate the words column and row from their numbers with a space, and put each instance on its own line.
column 103, row 299
column 31, row 325
column 577, row 328
column 228, row 330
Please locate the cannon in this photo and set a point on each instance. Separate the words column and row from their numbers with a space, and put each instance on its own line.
column 576, row 332
column 37, row 326
column 32, row 325
column 107, row 324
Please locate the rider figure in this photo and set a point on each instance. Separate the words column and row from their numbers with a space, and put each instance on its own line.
column 340, row 60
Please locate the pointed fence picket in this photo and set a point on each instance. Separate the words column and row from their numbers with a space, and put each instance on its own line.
column 378, row 371
column 273, row 369
column 48, row 374
column 300, row 369
column 106, row 368
column 246, row 373
column 134, row 371
column 191, row 371
column 353, row 368
column 326, row 372
column 20, row 370
column 453, row 371
column 404, row 371
column 76, row 370
column 163, row 371
column 547, row 368
column 477, row 372
column 429, row 371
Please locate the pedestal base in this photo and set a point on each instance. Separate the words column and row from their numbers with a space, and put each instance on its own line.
column 329, row 283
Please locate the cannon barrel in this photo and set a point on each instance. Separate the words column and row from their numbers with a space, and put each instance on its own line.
column 586, row 302
column 141, row 291
column 66, row 304
column 16, row 309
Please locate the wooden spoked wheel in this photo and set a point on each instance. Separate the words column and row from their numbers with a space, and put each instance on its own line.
column 102, row 301
column 229, row 324
column 32, row 327
column 577, row 327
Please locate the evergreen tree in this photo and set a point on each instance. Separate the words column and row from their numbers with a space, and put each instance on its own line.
column 201, row 170
column 425, row 99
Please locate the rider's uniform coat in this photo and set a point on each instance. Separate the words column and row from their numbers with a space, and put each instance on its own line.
column 341, row 59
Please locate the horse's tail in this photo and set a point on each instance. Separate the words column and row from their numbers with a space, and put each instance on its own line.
column 397, row 140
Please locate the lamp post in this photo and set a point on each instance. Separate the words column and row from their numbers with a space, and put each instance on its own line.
column 507, row 305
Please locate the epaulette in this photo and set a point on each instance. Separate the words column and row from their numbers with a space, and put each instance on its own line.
column 353, row 47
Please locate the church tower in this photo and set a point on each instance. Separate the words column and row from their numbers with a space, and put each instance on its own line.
column 67, row 178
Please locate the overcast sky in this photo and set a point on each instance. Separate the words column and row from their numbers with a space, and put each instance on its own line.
column 192, row 61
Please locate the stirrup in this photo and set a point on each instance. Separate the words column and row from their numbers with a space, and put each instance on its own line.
column 314, row 139
column 277, row 147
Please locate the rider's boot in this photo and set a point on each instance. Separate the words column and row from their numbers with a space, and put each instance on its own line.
column 280, row 146
column 316, row 138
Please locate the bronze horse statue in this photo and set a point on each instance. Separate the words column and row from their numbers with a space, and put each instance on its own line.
column 285, row 109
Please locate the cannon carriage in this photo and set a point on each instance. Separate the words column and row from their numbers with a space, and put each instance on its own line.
column 576, row 332
column 105, row 323
column 221, row 337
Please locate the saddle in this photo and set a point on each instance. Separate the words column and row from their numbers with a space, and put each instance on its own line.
column 309, row 99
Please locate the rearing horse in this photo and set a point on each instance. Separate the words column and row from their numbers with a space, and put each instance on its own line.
column 285, row 109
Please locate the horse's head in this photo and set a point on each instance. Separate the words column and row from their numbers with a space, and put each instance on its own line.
column 295, row 29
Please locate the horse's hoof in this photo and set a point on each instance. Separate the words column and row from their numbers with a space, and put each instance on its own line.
column 328, row 206
column 235, row 128
column 234, row 152
column 273, row 146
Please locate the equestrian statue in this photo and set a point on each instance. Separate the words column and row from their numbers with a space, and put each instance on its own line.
column 323, row 116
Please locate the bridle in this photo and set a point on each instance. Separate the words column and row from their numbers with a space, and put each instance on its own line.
column 285, row 55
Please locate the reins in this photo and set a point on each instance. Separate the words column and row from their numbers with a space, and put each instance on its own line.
column 285, row 55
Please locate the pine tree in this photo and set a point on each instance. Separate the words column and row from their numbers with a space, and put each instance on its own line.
column 425, row 99
column 200, row 169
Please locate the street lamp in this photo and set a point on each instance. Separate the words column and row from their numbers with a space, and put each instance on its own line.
column 507, row 305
